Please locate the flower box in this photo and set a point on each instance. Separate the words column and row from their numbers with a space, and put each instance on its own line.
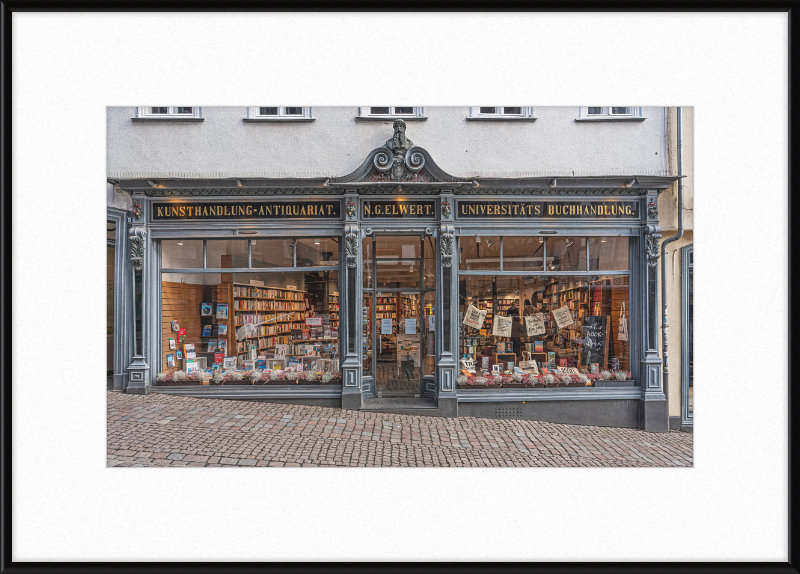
column 515, row 385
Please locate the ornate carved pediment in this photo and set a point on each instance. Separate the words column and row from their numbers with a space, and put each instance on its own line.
column 398, row 160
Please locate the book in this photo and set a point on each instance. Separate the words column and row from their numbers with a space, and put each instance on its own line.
column 223, row 329
column 551, row 359
column 182, row 331
column 181, row 338
column 501, row 347
column 170, row 360
column 562, row 362
column 218, row 358
column 222, row 345
column 205, row 309
column 214, row 330
column 222, row 310
column 538, row 346
column 305, row 334
column 212, row 345
column 206, row 331
column 171, row 343
column 191, row 365
column 261, row 364
column 175, row 326
column 229, row 363
column 545, row 369
column 188, row 348
column 179, row 355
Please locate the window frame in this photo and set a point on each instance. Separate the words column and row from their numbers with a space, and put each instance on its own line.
column 254, row 115
column 365, row 115
column 606, row 114
column 525, row 115
column 250, row 269
column 144, row 113
column 630, row 273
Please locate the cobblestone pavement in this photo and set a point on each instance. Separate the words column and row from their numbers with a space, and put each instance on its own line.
column 164, row 430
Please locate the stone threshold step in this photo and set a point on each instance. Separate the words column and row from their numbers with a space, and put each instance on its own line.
column 398, row 404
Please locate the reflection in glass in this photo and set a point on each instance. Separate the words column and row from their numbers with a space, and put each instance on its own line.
column 366, row 335
column 608, row 253
column 182, row 254
column 270, row 253
column 478, row 253
column 226, row 253
column 523, row 254
column 566, row 254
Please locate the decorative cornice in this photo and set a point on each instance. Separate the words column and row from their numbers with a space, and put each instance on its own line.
column 548, row 191
column 216, row 192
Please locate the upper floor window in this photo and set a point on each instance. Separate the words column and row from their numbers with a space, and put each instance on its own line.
column 501, row 113
column 383, row 113
column 181, row 113
column 278, row 114
column 609, row 113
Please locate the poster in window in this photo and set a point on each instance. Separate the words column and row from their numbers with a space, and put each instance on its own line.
column 563, row 316
column 229, row 363
column 386, row 326
column 474, row 317
column 280, row 351
column 502, row 326
column 411, row 326
column 534, row 324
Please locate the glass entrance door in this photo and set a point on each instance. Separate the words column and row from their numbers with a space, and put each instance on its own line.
column 399, row 286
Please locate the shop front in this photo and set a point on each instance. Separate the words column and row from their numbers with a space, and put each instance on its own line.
column 401, row 284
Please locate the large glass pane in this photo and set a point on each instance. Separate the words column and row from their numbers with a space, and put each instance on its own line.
column 159, row 110
column 368, row 273
column 294, row 111
column 512, row 111
column 379, row 110
column 226, row 253
column 608, row 253
column 690, row 346
column 398, row 261
column 270, row 253
column 111, row 230
column 399, row 344
column 318, row 252
column 595, row 111
column 183, row 109
column 182, row 254
column 488, row 110
column 620, row 111
column 477, row 253
column 566, row 254
column 429, row 325
column 268, row 111
column 404, row 110
column 523, row 253
column 584, row 321
column 237, row 323
column 429, row 262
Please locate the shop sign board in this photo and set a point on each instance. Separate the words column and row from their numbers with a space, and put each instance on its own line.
column 245, row 210
column 611, row 209
column 399, row 209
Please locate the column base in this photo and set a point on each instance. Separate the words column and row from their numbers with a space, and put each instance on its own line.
column 448, row 405
column 351, row 399
column 138, row 376
column 120, row 381
column 654, row 413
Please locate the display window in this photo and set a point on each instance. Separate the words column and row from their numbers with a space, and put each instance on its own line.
column 546, row 329
column 272, row 319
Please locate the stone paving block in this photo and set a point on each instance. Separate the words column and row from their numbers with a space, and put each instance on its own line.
column 176, row 456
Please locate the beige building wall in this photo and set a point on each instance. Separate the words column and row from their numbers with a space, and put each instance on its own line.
column 668, row 220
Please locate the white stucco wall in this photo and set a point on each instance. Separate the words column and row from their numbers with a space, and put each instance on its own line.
column 668, row 200
column 335, row 144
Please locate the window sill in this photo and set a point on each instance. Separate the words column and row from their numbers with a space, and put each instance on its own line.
column 391, row 118
column 499, row 119
column 610, row 119
column 278, row 120
column 175, row 119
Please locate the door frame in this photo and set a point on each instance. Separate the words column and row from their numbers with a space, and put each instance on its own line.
column 423, row 232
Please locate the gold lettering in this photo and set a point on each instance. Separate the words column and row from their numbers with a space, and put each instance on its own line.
column 249, row 210
column 428, row 209
column 628, row 210
column 329, row 209
column 549, row 210
column 405, row 208
column 160, row 211
column 538, row 209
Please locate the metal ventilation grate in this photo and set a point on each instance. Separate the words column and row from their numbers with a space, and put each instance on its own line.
column 508, row 412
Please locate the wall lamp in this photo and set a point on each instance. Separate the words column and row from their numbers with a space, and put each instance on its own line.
column 630, row 183
column 568, row 241
column 552, row 182
column 489, row 242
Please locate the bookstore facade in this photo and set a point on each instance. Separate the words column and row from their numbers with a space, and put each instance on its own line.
column 528, row 298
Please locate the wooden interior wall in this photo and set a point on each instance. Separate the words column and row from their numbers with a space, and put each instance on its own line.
column 179, row 302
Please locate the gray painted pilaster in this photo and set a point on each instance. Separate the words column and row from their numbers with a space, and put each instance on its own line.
column 139, row 371
column 654, row 412
column 447, row 319
column 123, row 302
column 351, row 328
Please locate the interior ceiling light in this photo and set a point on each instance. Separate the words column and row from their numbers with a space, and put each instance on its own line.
column 316, row 242
column 180, row 243
column 489, row 242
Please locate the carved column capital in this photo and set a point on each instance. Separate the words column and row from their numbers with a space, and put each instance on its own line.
column 447, row 242
column 137, row 247
column 351, row 240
